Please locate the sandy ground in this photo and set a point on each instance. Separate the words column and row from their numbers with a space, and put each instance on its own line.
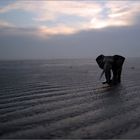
column 51, row 100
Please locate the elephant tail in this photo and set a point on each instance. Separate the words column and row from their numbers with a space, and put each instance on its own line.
column 102, row 74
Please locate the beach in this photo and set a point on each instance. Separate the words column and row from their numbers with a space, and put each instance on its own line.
column 64, row 98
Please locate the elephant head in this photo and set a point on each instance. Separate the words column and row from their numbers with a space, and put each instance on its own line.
column 111, row 63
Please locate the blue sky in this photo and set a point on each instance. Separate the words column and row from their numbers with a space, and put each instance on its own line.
column 48, row 21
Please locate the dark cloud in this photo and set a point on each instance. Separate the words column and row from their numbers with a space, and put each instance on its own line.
column 26, row 44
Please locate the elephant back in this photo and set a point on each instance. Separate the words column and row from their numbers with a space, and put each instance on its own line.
column 118, row 61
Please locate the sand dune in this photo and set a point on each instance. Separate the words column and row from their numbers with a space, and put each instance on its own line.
column 65, row 99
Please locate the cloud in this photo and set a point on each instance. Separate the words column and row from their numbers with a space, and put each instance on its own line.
column 82, row 9
column 59, row 29
column 20, row 5
column 63, row 29
column 93, row 14
column 120, row 40
column 123, row 11
column 5, row 24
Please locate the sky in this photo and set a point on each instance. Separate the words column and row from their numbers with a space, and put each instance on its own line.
column 50, row 29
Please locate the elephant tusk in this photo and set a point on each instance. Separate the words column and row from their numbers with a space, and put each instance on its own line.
column 101, row 75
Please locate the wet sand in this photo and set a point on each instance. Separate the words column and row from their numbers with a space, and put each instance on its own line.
column 67, row 100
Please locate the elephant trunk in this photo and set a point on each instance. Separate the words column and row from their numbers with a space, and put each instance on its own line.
column 107, row 72
column 102, row 74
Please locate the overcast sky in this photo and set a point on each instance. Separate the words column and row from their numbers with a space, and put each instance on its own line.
column 68, row 29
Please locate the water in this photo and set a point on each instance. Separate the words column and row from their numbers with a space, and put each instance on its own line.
column 64, row 98
column 17, row 74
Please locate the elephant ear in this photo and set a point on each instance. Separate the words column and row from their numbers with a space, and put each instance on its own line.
column 99, row 61
column 118, row 60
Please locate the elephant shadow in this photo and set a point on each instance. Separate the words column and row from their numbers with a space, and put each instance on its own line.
column 113, row 98
column 114, row 93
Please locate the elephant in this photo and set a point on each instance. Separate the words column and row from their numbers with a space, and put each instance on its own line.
column 108, row 64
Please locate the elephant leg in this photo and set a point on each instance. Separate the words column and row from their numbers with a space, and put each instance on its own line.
column 108, row 76
column 114, row 79
column 119, row 75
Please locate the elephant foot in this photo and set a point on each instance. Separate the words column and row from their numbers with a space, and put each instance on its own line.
column 115, row 82
column 106, row 82
column 112, row 82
